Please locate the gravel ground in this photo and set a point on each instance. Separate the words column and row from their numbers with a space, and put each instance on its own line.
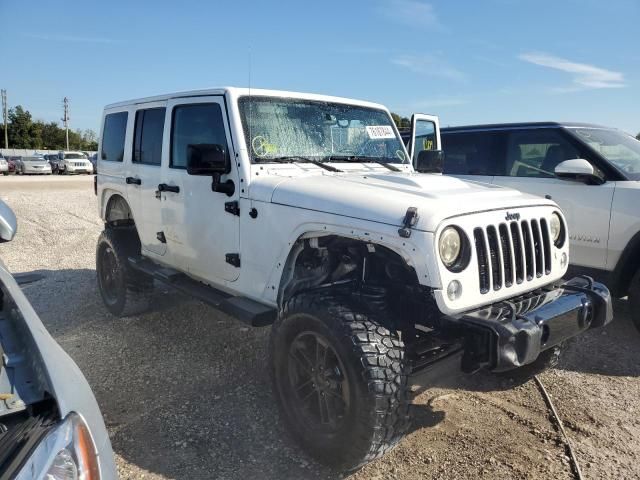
column 185, row 394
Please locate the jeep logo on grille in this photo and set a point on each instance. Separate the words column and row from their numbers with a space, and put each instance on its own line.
column 512, row 216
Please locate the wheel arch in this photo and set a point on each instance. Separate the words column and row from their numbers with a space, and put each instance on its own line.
column 117, row 211
column 333, row 244
column 627, row 265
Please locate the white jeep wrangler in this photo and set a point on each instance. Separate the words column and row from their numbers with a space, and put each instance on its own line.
column 304, row 212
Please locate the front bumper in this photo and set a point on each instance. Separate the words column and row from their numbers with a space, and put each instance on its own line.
column 36, row 170
column 71, row 169
column 511, row 334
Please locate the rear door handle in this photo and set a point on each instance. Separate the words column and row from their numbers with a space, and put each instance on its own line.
column 133, row 181
column 163, row 187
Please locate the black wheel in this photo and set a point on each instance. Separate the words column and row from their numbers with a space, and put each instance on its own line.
column 124, row 291
column 340, row 378
column 5, row 173
column 548, row 359
column 634, row 299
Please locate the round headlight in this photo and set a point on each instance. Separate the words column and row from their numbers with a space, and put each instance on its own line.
column 556, row 227
column 450, row 246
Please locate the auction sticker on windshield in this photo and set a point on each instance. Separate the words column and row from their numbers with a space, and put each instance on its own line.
column 380, row 131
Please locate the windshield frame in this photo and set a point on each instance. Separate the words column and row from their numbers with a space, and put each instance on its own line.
column 631, row 176
column 255, row 160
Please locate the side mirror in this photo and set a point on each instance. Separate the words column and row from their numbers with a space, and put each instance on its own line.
column 207, row 159
column 430, row 161
column 578, row 169
column 8, row 223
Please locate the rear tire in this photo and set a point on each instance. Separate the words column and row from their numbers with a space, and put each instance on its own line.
column 634, row 299
column 356, row 407
column 124, row 291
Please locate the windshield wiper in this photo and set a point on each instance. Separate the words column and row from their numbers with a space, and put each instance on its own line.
column 356, row 158
column 295, row 158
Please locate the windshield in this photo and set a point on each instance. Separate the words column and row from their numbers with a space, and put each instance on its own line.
column 32, row 159
column 74, row 156
column 617, row 147
column 277, row 128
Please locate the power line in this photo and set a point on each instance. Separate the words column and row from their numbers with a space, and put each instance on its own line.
column 65, row 119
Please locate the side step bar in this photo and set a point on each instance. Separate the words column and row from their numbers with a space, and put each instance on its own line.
column 249, row 311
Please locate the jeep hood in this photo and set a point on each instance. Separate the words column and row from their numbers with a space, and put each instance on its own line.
column 385, row 197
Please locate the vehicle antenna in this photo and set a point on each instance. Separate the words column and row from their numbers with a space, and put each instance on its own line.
column 250, row 107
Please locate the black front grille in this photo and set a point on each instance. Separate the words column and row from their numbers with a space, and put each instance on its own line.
column 512, row 253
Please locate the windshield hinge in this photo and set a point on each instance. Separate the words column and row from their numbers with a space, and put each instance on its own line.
column 232, row 207
column 410, row 219
column 233, row 259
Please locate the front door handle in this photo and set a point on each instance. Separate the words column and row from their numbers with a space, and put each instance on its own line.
column 133, row 181
column 163, row 187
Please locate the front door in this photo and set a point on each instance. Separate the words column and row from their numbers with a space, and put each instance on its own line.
column 143, row 174
column 425, row 135
column 199, row 231
column 531, row 158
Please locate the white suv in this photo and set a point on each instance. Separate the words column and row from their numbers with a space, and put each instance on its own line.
column 303, row 211
column 74, row 162
column 592, row 172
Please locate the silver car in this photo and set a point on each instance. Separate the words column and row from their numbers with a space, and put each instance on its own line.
column 4, row 166
column 34, row 165
column 50, row 423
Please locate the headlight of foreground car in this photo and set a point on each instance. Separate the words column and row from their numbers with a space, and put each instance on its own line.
column 557, row 230
column 450, row 246
column 66, row 453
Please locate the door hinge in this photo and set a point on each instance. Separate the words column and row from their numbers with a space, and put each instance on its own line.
column 232, row 207
column 233, row 259
column 161, row 238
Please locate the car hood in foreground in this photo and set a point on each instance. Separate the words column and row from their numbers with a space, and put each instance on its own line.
column 385, row 197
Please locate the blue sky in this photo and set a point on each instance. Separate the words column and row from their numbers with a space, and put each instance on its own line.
column 467, row 61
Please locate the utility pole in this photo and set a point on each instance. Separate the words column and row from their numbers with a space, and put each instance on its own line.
column 65, row 119
column 4, row 117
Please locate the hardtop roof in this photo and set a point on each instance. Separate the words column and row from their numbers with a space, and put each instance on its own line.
column 517, row 125
column 235, row 92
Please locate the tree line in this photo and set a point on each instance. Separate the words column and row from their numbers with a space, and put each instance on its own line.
column 24, row 132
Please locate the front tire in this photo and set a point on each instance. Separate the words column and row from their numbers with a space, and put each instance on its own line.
column 634, row 299
column 340, row 378
column 125, row 291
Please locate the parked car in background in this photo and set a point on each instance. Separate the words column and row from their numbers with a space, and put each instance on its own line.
column 50, row 424
column 74, row 162
column 35, row 165
column 4, row 166
column 14, row 163
column 53, row 160
column 591, row 171
column 94, row 160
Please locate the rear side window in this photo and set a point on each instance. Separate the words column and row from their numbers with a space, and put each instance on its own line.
column 473, row 153
column 537, row 152
column 197, row 124
column 147, row 138
column 113, row 134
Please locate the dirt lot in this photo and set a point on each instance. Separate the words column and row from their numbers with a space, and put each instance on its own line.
column 185, row 394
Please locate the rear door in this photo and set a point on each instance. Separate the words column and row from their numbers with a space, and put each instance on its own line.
column 425, row 135
column 200, row 226
column 144, row 174
column 530, row 161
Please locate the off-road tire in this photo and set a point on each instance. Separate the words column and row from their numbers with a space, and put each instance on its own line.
column 125, row 291
column 373, row 357
column 634, row 299
column 547, row 359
